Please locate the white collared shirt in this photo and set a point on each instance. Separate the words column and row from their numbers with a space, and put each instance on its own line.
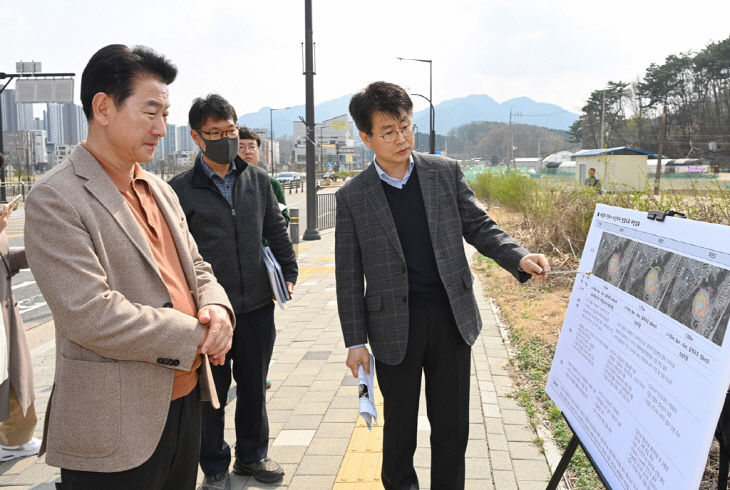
column 397, row 183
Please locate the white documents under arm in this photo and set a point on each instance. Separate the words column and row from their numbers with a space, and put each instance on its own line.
column 276, row 278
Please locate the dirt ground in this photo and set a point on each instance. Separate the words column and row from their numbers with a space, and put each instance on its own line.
column 537, row 308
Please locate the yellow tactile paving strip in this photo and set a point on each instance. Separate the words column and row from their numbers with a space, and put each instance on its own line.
column 306, row 272
column 360, row 468
column 15, row 227
column 361, row 465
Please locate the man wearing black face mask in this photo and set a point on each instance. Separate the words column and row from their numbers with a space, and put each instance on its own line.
column 230, row 207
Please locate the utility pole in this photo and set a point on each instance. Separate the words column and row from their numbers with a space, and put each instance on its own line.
column 512, row 138
column 511, row 141
column 311, row 233
column 603, row 115
column 661, row 149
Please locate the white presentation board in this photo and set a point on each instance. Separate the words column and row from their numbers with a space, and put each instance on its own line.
column 642, row 365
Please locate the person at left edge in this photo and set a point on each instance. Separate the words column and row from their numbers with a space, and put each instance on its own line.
column 230, row 208
column 133, row 302
column 17, row 410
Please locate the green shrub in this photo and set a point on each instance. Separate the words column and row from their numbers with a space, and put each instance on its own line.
column 557, row 217
column 511, row 188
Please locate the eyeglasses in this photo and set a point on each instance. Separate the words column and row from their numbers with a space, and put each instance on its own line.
column 248, row 148
column 216, row 135
column 391, row 136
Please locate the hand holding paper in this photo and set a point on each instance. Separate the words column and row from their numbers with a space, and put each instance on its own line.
column 366, row 393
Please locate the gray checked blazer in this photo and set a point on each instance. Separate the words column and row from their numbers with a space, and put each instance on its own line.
column 371, row 273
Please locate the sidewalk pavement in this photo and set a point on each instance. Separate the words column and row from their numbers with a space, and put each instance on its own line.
column 312, row 405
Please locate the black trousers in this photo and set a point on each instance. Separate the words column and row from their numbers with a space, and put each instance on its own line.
column 435, row 348
column 249, row 357
column 171, row 466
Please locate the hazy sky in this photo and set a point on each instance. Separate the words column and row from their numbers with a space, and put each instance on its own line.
column 250, row 52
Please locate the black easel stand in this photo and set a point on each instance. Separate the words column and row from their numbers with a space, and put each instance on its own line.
column 565, row 461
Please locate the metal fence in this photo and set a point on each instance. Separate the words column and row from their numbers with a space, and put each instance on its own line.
column 326, row 211
column 294, row 187
column 12, row 189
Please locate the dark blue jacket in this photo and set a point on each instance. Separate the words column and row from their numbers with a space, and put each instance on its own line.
column 229, row 237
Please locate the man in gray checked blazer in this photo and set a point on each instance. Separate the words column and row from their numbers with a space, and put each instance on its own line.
column 404, row 284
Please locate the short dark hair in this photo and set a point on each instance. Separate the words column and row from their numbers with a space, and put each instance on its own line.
column 246, row 134
column 113, row 69
column 385, row 97
column 213, row 106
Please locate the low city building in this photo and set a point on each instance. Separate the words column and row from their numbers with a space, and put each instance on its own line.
column 619, row 168
column 334, row 144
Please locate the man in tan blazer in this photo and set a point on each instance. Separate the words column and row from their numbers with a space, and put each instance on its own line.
column 136, row 309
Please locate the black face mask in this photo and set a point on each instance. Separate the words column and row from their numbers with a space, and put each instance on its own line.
column 221, row 151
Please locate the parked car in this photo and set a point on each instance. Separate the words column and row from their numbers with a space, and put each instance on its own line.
column 289, row 178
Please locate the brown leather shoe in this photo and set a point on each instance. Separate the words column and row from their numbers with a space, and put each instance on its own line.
column 265, row 470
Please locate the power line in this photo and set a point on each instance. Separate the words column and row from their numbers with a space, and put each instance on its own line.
column 699, row 127
column 543, row 115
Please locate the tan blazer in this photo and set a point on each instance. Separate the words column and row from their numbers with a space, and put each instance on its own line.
column 20, row 367
column 118, row 340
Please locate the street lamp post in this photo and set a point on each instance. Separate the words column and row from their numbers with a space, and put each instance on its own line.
column 311, row 233
column 432, row 114
column 431, row 142
column 271, row 135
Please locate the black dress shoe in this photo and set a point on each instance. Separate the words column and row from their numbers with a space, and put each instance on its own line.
column 264, row 470
column 216, row 482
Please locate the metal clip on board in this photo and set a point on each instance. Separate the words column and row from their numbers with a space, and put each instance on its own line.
column 660, row 215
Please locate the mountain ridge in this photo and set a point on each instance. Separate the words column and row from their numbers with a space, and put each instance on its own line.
column 449, row 114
